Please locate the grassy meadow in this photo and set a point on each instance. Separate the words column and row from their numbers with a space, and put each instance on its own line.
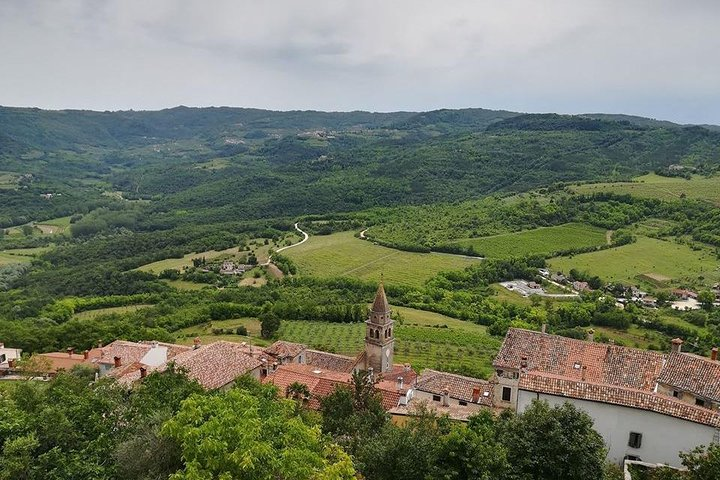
column 664, row 188
column 20, row 255
column 89, row 314
column 184, row 261
column 341, row 254
column 647, row 257
column 539, row 241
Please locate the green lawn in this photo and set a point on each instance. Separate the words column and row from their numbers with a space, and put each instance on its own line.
column 540, row 241
column 56, row 225
column 626, row 264
column 341, row 254
column 423, row 339
column 665, row 188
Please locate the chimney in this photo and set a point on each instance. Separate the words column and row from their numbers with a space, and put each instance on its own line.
column 196, row 343
column 274, row 366
column 400, row 382
column 86, row 355
column 446, row 397
column 676, row 345
column 2, row 345
column 544, row 327
column 713, row 354
column 143, row 372
column 371, row 374
column 584, row 372
column 99, row 343
column 154, row 344
column 70, row 351
column 117, row 361
column 523, row 364
column 12, row 362
column 406, row 367
column 476, row 395
column 591, row 335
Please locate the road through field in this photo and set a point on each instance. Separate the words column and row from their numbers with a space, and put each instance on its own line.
column 305, row 238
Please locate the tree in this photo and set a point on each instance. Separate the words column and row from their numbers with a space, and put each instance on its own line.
column 703, row 463
column 269, row 324
column 706, row 299
column 553, row 443
column 241, row 436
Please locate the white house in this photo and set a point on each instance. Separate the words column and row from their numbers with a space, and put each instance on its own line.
column 647, row 406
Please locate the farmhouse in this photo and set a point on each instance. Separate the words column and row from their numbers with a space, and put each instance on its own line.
column 8, row 358
column 646, row 405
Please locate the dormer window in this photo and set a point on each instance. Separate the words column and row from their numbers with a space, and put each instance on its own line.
column 577, row 366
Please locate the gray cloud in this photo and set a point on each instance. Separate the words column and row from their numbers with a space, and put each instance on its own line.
column 649, row 57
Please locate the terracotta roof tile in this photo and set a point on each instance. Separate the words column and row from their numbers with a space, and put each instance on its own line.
column 697, row 375
column 459, row 386
column 283, row 349
column 330, row 361
column 555, row 385
column 217, row 364
column 603, row 363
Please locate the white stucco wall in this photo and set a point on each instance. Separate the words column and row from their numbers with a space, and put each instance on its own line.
column 663, row 437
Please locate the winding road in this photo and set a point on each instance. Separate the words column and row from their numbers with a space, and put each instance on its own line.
column 305, row 238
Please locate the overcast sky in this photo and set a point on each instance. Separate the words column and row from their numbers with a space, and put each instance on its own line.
column 656, row 58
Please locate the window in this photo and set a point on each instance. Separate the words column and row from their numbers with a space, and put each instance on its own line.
column 506, row 394
column 436, row 398
column 462, row 402
column 635, row 440
column 699, row 402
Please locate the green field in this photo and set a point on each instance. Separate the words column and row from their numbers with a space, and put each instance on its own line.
column 341, row 254
column 56, row 225
column 540, row 241
column 423, row 339
column 20, row 255
column 664, row 188
column 626, row 264
column 185, row 261
column 88, row 314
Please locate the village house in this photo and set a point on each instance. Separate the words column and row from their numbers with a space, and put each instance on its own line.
column 646, row 405
column 684, row 294
column 8, row 359
column 581, row 286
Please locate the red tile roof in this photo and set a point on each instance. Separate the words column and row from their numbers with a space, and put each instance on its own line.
column 283, row 349
column 63, row 360
column 606, row 364
column 217, row 364
column 691, row 373
column 322, row 383
column 628, row 397
column 459, row 386
column 610, row 374
column 330, row 361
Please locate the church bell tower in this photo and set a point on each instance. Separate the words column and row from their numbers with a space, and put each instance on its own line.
column 379, row 335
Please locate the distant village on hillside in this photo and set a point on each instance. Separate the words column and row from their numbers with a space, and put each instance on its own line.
column 648, row 406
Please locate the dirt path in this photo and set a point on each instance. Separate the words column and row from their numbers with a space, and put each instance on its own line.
column 362, row 234
column 608, row 236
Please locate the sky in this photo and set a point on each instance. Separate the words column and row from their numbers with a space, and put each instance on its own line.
column 655, row 58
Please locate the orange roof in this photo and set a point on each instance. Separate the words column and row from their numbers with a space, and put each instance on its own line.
column 63, row 360
column 322, row 383
column 602, row 363
column 610, row 374
column 628, row 397
column 283, row 349
column 217, row 364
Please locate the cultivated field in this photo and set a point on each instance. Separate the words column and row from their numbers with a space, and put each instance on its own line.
column 341, row 254
column 20, row 255
column 88, row 314
column 540, row 241
column 424, row 339
column 634, row 262
column 56, row 225
column 665, row 188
